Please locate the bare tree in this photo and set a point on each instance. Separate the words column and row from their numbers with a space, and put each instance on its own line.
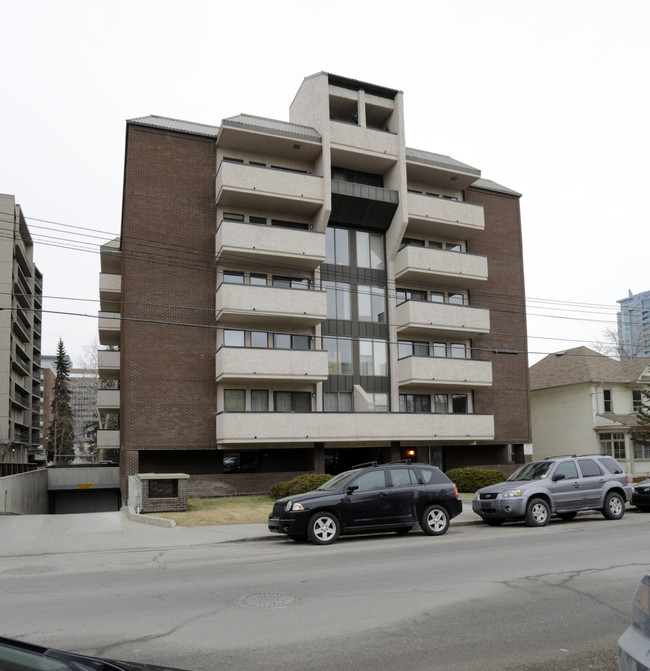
column 612, row 346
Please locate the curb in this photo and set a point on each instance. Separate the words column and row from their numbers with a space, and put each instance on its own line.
column 130, row 514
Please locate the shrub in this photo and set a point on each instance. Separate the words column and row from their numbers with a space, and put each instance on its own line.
column 470, row 479
column 299, row 485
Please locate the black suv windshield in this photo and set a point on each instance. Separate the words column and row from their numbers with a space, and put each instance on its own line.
column 535, row 471
column 335, row 482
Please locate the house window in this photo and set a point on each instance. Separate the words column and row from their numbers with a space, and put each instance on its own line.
column 414, row 403
column 373, row 357
column 613, row 444
column 233, row 338
column 371, row 304
column 641, row 451
column 259, row 400
column 607, row 401
column 340, row 401
column 338, row 299
column 637, row 400
column 339, row 355
column 292, row 401
column 234, row 400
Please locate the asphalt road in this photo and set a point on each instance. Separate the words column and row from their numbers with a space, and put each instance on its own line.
column 478, row 598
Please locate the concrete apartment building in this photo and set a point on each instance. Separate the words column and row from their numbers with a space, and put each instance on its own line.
column 633, row 323
column 586, row 403
column 21, row 299
column 304, row 295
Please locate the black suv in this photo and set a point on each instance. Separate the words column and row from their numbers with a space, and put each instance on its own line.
column 371, row 497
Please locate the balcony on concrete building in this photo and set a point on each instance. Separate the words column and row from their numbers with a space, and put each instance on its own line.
column 418, row 372
column 305, row 428
column 108, row 364
column 425, row 265
column 250, row 187
column 108, row 439
column 272, row 306
column 109, row 326
column 424, row 319
column 431, row 215
column 110, row 292
column 108, row 400
column 361, row 148
column 248, row 243
column 250, row 363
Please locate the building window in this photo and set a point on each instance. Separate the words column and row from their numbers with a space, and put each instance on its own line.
column 371, row 304
column 407, row 348
column 259, row 400
column 458, row 350
column 163, row 489
column 337, row 246
column 257, row 220
column 232, row 277
column 453, row 247
column 292, row 401
column 290, row 282
column 234, row 400
column 233, row 338
column 637, row 400
column 440, row 349
column 380, row 400
column 259, row 339
column 231, row 216
column 370, row 250
column 440, row 403
column 410, row 295
column 607, row 401
column 289, row 341
column 241, row 462
column 338, row 299
column 414, row 403
column 641, row 451
column 339, row 355
column 411, row 242
column 257, row 279
column 373, row 357
column 459, row 403
column 340, row 401
column 613, row 444
column 456, row 299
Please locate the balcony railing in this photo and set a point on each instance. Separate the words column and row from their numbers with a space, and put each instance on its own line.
column 108, row 399
column 443, row 216
column 422, row 371
column 108, row 364
column 237, row 241
column 110, row 292
column 250, row 363
column 424, row 265
column 243, row 303
column 244, row 186
column 108, row 439
column 424, row 318
column 309, row 427
column 109, row 326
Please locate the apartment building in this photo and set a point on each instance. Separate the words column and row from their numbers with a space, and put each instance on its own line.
column 304, row 295
column 633, row 322
column 21, row 299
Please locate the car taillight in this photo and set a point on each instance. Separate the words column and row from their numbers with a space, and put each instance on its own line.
column 642, row 597
column 627, row 478
column 455, row 491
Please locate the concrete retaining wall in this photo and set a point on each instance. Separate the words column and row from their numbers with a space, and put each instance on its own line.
column 24, row 494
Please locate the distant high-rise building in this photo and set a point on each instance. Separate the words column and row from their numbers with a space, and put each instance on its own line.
column 21, row 298
column 634, row 325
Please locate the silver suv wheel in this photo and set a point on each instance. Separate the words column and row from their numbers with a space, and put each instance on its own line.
column 538, row 513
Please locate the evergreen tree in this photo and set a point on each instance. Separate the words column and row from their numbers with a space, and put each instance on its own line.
column 641, row 434
column 60, row 435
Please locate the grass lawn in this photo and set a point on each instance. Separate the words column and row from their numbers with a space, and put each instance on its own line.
column 235, row 510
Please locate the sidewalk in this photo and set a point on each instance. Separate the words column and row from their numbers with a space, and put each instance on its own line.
column 28, row 535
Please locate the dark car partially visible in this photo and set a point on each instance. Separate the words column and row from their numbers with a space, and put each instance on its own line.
column 634, row 644
column 641, row 496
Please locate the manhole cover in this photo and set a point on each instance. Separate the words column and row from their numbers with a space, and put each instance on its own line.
column 268, row 600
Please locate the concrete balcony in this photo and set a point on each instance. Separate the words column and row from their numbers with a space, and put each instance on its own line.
column 108, row 439
column 441, row 216
column 108, row 364
column 270, row 306
column 110, row 292
column 425, row 319
column 110, row 257
column 109, row 326
column 358, row 148
column 247, row 243
column 309, row 427
column 425, row 265
column 108, row 399
column 421, row 371
column 249, row 187
column 247, row 363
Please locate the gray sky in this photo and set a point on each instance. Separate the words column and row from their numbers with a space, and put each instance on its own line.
column 548, row 98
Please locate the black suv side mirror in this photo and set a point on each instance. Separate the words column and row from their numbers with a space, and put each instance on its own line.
column 351, row 488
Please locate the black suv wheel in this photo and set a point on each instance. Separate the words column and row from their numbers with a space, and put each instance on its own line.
column 323, row 528
column 434, row 521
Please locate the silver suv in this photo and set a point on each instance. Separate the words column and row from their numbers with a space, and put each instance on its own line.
column 562, row 485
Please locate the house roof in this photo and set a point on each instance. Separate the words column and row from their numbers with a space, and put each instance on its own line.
column 581, row 364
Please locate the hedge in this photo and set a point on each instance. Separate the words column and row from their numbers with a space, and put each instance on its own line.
column 299, row 485
column 470, row 479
